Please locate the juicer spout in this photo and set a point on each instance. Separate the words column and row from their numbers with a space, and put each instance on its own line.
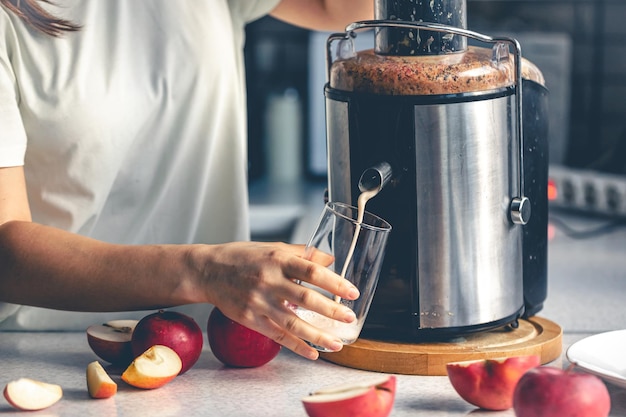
column 375, row 177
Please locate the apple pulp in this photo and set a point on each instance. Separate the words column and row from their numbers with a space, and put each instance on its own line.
column 236, row 345
column 154, row 368
column 372, row 398
column 99, row 383
column 550, row 391
column 489, row 383
column 30, row 395
column 175, row 330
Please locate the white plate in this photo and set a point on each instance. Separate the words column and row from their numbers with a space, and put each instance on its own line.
column 603, row 354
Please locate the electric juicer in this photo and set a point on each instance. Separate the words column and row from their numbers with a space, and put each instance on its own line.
column 453, row 125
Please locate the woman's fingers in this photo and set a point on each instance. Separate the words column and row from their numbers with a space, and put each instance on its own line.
column 315, row 301
column 320, row 276
column 290, row 331
column 319, row 257
column 312, row 254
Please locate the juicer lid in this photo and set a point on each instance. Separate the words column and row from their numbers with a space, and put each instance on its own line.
column 474, row 69
column 468, row 71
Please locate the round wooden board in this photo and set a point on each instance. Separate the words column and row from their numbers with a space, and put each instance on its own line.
column 534, row 336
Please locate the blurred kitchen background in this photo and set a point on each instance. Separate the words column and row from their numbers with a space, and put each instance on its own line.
column 580, row 46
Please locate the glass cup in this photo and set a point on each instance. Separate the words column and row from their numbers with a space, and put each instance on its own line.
column 358, row 249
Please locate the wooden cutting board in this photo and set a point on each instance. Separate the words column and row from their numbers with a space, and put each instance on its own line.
column 534, row 336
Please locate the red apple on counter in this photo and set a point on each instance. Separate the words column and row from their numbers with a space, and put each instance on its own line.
column 99, row 383
column 111, row 341
column 550, row 391
column 236, row 345
column 373, row 398
column 173, row 329
column 489, row 383
column 30, row 395
column 154, row 368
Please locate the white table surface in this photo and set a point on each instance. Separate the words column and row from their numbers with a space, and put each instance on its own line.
column 587, row 283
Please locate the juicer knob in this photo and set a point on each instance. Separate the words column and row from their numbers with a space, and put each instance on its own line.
column 520, row 210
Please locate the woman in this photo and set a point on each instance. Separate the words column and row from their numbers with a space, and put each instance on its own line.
column 123, row 164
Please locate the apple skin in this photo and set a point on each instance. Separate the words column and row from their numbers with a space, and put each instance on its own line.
column 111, row 341
column 359, row 400
column 30, row 395
column 490, row 383
column 172, row 329
column 99, row 383
column 154, row 368
column 236, row 345
column 550, row 391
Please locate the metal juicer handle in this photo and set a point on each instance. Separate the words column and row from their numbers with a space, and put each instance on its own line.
column 520, row 206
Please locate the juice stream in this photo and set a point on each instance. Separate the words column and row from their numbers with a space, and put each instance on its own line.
column 364, row 197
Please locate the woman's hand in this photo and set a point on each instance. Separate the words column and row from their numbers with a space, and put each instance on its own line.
column 253, row 283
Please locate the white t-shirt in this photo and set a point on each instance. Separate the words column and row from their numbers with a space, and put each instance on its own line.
column 131, row 130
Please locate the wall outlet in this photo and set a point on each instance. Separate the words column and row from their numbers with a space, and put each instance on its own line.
column 588, row 191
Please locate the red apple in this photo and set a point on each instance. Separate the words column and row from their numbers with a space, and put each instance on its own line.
column 111, row 341
column 154, row 368
column 236, row 345
column 373, row 398
column 489, row 383
column 550, row 391
column 172, row 329
column 29, row 394
column 99, row 383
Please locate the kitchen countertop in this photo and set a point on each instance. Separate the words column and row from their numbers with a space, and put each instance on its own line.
column 210, row 389
column 587, row 280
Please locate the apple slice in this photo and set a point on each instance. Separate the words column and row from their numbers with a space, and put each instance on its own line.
column 111, row 341
column 373, row 398
column 154, row 368
column 490, row 383
column 99, row 383
column 29, row 394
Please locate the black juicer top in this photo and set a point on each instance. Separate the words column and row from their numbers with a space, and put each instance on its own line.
column 403, row 42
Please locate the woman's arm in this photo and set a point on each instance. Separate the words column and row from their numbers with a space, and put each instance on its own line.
column 250, row 282
column 329, row 15
column 48, row 267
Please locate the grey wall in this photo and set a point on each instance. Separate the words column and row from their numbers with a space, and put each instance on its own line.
column 597, row 81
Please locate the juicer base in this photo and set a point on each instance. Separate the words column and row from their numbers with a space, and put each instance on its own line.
column 441, row 334
column 534, row 336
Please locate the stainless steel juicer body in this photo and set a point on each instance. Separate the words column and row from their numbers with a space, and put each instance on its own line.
column 459, row 259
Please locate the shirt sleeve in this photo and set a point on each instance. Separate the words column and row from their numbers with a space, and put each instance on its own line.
column 12, row 133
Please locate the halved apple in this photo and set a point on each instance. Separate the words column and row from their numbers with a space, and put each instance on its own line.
column 111, row 341
column 370, row 398
column 29, row 394
column 99, row 383
column 490, row 383
column 172, row 329
column 154, row 368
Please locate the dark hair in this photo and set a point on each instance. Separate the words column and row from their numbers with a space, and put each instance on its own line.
column 36, row 16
